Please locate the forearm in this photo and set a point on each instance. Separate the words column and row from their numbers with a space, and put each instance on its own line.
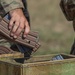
column 9, row 5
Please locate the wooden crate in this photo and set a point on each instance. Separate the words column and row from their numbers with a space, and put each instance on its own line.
column 37, row 65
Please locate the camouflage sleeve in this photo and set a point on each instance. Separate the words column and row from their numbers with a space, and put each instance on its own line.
column 9, row 5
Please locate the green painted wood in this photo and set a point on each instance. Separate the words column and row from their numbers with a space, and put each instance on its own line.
column 9, row 69
column 52, row 69
column 38, row 65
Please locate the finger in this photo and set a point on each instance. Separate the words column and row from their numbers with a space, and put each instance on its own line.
column 19, row 30
column 27, row 29
column 15, row 27
column 11, row 23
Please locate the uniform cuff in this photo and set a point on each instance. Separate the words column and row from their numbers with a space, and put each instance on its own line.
column 9, row 5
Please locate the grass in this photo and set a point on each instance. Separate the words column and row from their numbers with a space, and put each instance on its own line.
column 55, row 32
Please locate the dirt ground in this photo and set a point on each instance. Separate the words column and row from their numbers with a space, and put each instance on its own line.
column 55, row 32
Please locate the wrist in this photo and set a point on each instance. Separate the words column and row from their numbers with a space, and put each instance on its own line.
column 11, row 5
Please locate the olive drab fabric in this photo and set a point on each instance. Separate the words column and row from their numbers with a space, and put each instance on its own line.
column 8, row 5
column 68, row 8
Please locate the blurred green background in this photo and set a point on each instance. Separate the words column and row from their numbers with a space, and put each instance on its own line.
column 56, row 33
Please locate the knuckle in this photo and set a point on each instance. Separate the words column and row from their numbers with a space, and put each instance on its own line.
column 27, row 22
column 17, row 24
column 11, row 23
column 17, row 33
column 21, row 27
column 27, row 31
column 13, row 31
column 23, row 18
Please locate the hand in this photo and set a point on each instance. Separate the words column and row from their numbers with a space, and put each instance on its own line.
column 18, row 22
